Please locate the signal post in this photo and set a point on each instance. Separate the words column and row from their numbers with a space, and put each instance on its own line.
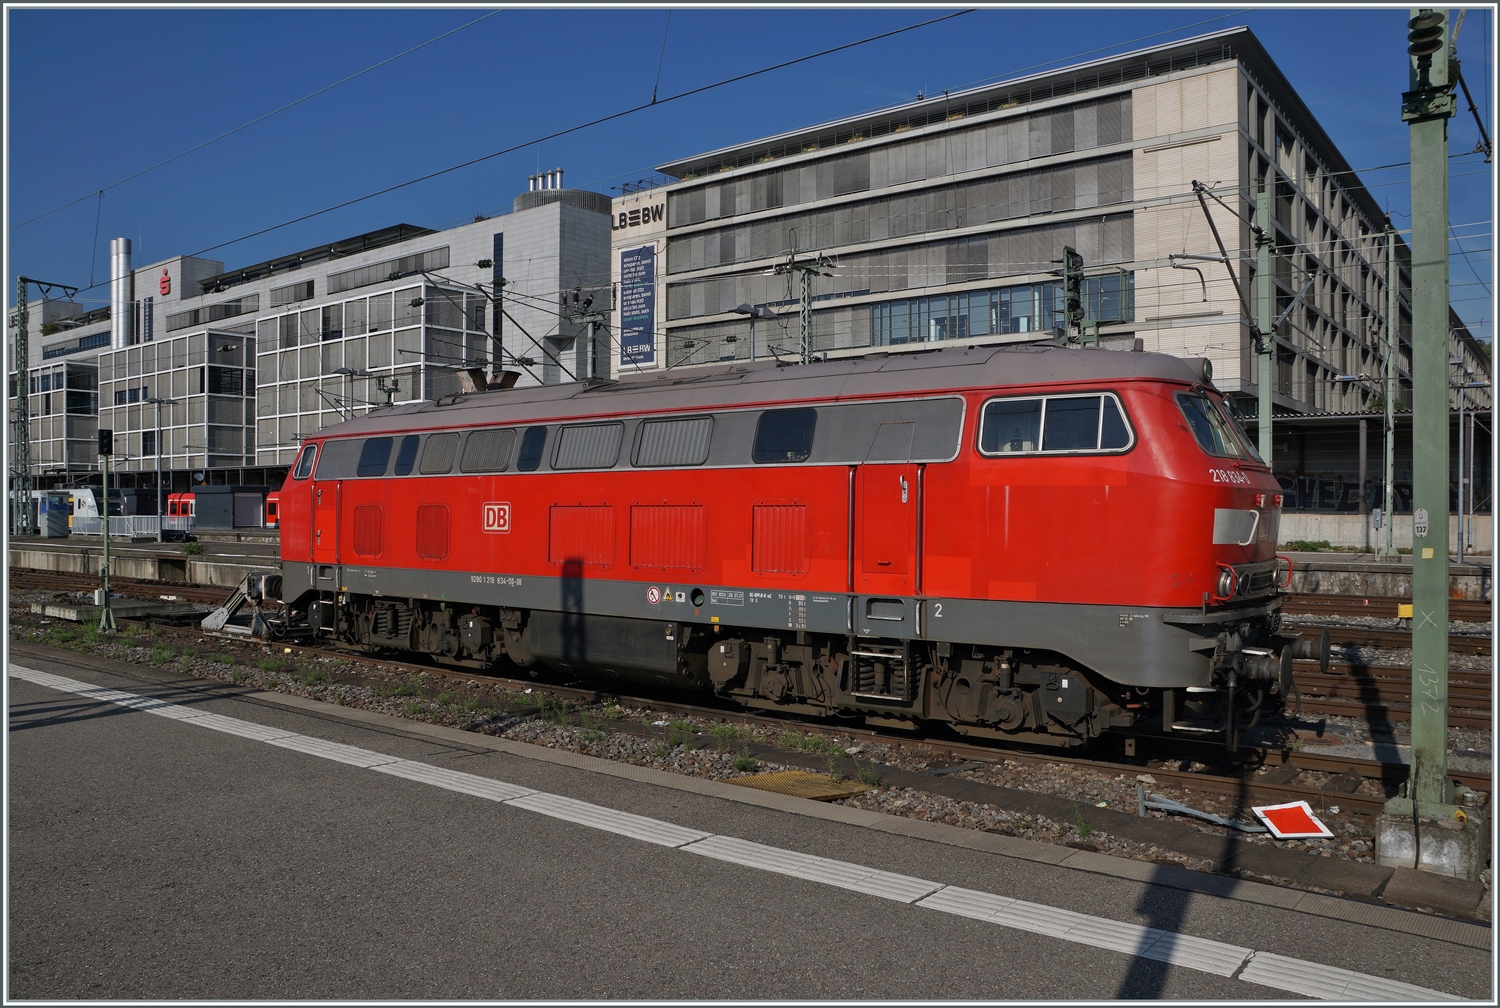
column 1433, row 825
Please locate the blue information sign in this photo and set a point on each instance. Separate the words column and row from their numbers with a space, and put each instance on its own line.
column 638, row 306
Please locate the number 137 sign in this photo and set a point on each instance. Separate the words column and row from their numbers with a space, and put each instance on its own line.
column 496, row 517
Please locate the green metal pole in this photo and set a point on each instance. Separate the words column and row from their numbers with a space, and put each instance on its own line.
column 1265, row 311
column 1392, row 334
column 1427, row 107
column 106, row 614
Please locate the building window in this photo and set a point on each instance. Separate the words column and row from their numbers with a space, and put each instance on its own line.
column 148, row 442
column 291, row 293
column 226, row 381
column 391, row 269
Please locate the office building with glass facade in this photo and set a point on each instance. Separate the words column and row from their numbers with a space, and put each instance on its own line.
column 254, row 359
column 945, row 220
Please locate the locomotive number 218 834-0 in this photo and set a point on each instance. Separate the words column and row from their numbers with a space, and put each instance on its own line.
column 1228, row 476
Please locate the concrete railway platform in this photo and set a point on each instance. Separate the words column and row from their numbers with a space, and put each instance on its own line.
column 175, row 839
column 224, row 562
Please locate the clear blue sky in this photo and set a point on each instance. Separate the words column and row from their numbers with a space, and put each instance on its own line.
column 96, row 95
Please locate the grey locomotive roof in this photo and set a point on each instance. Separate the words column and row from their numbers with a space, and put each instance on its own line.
column 734, row 385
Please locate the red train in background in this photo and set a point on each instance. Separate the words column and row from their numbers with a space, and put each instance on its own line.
column 1030, row 542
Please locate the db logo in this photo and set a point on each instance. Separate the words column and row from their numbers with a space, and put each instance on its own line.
column 653, row 595
column 496, row 517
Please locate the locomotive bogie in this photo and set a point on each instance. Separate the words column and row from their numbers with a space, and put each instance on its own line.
column 1040, row 544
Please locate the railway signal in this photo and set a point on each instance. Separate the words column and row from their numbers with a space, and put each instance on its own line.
column 1072, row 277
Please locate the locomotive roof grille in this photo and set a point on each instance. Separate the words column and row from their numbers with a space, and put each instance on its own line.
column 982, row 368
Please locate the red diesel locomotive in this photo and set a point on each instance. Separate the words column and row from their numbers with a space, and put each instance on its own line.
column 1030, row 542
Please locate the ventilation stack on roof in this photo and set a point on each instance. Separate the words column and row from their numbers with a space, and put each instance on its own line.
column 121, row 295
column 547, row 187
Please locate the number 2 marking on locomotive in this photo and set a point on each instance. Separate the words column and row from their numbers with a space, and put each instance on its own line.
column 937, row 610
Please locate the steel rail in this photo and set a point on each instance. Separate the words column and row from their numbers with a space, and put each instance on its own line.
column 1467, row 610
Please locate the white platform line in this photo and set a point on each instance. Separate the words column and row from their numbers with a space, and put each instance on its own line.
column 1267, row 969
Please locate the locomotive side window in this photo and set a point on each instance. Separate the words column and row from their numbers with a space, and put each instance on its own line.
column 305, row 462
column 674, row 442
column 374, row 456
column 1072, row 424
column 1209, row 427
column 784, row 435
column 1011, row 425
column 1113, row 434
column 532, row 443
column 588, row 446
column 1046, row 424
column 406, row 455
column 488, row 451
column 437, row 457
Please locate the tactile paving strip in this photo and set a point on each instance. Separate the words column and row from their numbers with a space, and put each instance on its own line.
column 815, row 869
column 1330, row 983
column 353, row 755
column 454, row 780
column 612, row 820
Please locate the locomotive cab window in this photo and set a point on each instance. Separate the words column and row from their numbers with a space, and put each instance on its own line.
column 437, row 456
column 374, row 456
column 1053, row 424
column 1215, row 433
column 784, row 435
column 406, row 455
column 305, row 462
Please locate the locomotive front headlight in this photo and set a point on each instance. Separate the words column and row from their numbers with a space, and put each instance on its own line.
column 1260, row 500
column 1277, row 500
column 1227, row 582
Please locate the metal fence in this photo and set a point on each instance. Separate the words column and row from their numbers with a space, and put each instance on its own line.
column 123, row 526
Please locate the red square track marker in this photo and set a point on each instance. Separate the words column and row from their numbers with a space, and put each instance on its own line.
column 1293, row 821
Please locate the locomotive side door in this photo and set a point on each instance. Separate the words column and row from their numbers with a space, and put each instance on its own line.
column 325, row 521
column 885, row 529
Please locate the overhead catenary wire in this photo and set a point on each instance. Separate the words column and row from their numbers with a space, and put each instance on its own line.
column 586, row 125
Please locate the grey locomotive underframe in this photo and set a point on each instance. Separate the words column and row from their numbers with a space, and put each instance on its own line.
column 1050, row 673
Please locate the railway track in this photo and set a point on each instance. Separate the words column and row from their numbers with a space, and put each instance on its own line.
column 1468, row 610
column 129, row 587
column 1259, row 776
column 1400, row 640
column 1367, row 692
column 1383, row 692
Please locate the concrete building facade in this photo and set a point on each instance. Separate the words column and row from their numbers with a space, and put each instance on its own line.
column 944, row 221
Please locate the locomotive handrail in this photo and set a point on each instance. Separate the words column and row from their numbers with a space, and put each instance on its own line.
column 1290, row 566
column 1234, row 579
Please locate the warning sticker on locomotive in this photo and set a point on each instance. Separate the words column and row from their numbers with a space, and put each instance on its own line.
column 718, row 597
column 496, row 516
column 653, row 595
